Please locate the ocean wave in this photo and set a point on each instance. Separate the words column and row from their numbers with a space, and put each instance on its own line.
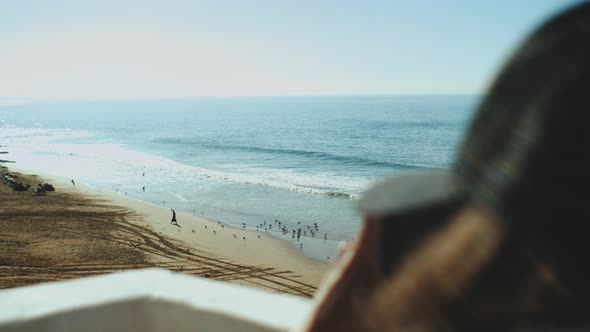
column 356, row 160
column 16, row 135
column 110, row 162
column 308, row 183
column 181, row 198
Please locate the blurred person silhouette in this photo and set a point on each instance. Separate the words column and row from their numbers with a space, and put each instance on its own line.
column 499, row 242
column 173, row 221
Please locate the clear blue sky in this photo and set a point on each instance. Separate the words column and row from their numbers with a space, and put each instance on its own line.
column 71, row 50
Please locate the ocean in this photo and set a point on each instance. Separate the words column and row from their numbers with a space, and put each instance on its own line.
column 243, row 160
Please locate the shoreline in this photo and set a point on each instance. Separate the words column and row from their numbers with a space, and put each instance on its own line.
column 211, row 238
column 315, row 248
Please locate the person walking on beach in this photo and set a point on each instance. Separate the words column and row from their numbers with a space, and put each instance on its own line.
column 144, row 189
column 173, row 221
column 73, row 183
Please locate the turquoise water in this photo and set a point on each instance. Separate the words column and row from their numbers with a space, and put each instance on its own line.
column 299, row 160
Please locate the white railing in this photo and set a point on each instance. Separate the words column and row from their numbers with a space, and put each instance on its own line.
column 147, row 300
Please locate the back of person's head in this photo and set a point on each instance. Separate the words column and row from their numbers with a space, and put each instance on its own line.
column 525, row 158
column 525, row 162
column 526, row 151
column 512, row 257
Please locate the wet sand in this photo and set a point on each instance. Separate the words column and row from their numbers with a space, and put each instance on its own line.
column 79, row 231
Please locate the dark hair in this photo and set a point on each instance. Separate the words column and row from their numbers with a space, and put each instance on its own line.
column 527, row 153
column 513, row 257
column 526, row 161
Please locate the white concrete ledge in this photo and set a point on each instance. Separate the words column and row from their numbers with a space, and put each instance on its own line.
column 147, row 300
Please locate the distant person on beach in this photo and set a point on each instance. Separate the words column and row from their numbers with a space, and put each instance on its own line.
column 500, row 241
column 173, row 221
column 144, row 191
column 73, row 183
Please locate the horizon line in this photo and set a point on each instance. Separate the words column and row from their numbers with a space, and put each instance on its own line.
column 12, row 101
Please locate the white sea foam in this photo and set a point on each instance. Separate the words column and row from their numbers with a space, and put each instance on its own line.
column 49, row 150
column 181, row 198
column 309, row 182
column 12, row 134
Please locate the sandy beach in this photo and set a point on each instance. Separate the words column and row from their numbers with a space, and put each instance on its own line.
column 79, row 230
